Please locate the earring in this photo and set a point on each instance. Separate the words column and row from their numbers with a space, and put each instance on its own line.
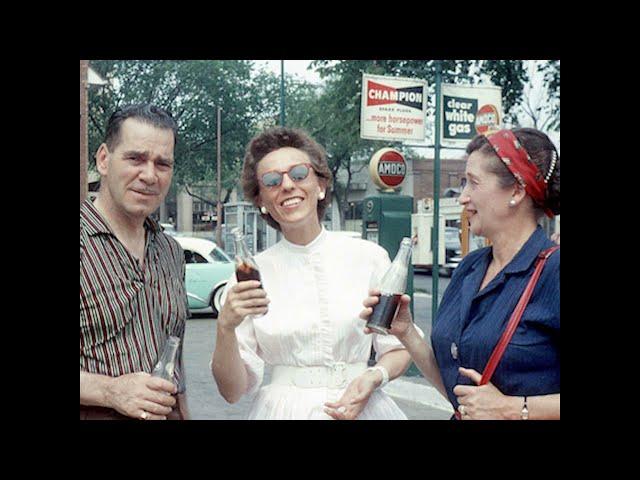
column 263, row 209
column 321, row 195
column 512, row 203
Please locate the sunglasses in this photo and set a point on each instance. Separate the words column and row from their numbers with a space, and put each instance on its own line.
column 296, row 173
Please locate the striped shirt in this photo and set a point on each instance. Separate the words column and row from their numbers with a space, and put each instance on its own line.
column 127, row 312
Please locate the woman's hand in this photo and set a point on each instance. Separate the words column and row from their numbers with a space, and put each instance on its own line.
column 244, row 298
column 401, row 325
column 355, row 397
column 483, row 402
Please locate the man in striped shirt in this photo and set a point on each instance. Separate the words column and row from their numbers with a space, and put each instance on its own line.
column 132, row 293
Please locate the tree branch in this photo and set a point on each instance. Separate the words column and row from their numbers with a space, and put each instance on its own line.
column 186, row 187
column 96, row 124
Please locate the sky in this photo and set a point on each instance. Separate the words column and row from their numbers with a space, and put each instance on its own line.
column 291, row 67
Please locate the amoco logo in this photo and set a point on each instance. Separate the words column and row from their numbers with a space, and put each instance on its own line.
column 487, row 119
column 387, row 168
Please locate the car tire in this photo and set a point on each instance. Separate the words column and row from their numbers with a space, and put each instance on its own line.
column 215, row 300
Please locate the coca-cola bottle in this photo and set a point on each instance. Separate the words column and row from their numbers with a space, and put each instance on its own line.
column 166, row 364
column 392, row 287
column 246, row 266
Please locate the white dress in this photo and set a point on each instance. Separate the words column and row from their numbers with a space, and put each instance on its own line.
column 316, row 294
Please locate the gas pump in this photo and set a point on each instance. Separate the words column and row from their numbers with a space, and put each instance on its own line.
column 387, row 215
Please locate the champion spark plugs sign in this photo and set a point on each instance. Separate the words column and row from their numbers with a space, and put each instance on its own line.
column 467, row 111
column 393, row 108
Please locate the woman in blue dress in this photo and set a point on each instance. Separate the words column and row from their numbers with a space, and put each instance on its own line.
column 513, row 179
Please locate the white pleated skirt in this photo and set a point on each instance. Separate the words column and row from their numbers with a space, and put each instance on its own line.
column 284, row 402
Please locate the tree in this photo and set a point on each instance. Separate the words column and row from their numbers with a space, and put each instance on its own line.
column 191, row 91
column 540, row 106
column 511, row 76
column 551, row 70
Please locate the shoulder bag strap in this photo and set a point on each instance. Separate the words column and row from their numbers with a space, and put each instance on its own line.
column 515, row 316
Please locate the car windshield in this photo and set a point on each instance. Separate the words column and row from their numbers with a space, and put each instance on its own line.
column 219, row 256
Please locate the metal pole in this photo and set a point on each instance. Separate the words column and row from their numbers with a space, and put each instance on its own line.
column 84, row 138
column 282, row 93
column 435, row 271
column 219, row 188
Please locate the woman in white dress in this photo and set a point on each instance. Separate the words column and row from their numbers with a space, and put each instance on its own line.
column 304, row 320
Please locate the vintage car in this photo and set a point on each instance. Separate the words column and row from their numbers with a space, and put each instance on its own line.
column 207, row 271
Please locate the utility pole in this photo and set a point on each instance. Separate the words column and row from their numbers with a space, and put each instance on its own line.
column 219, row 187
column 282, row 93
column 84, row 139
column 435, row 270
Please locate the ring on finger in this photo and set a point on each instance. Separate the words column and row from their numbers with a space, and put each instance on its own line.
column 342, row 409
column 462, row 410
column 144, row 415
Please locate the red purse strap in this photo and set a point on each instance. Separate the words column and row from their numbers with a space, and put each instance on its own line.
column 515, row 316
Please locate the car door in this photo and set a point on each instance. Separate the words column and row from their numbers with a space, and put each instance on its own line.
column 198, row 285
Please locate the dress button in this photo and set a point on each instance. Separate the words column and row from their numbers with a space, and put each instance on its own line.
column 454, row 351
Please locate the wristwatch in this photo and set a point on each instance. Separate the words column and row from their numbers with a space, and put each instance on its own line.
column 385, row 374
column 524, row 413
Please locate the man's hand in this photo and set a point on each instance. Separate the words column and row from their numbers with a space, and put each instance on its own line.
column 139, row 395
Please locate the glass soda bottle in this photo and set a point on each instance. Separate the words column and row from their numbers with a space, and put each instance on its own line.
column 166, row 364
column 246, row 266
column 392, row 287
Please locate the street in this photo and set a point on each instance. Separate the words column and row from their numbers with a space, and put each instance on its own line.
column 206, row 403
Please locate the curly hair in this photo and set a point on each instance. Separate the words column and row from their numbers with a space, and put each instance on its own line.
column 540, row 149
column 273, row 139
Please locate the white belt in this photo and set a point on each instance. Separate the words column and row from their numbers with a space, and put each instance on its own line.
column 337, row 375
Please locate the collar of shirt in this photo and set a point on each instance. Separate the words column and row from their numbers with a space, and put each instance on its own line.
column 523, row 259
column 521, row 262
column 310, row 247
column 95, row 223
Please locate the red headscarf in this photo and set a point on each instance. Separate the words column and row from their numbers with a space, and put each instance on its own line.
column 519, row 163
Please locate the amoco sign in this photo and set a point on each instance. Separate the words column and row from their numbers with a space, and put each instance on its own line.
column 387, row 168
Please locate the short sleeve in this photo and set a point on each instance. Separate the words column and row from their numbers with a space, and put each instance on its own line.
column 248, row 346
column 386, row 343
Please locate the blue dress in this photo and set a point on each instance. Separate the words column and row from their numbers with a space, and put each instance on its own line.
column 469, row 322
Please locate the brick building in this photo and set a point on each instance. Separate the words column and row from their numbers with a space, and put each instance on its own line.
column 451, row 175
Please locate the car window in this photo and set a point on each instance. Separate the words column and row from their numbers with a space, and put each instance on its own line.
column 188, row 256
column 199, row 258
column 219, row 256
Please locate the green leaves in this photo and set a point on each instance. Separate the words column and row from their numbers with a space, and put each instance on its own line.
column 191, row 91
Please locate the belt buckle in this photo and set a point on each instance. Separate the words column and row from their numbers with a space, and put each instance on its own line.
column 338, row 375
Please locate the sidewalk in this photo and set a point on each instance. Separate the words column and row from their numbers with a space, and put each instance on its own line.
column 418, row 398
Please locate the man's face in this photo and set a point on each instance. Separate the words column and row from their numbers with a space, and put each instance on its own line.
column 137, row 173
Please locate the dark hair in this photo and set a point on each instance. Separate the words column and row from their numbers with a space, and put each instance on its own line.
column 274, row 139
column 540, row 149
column 144, row 112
